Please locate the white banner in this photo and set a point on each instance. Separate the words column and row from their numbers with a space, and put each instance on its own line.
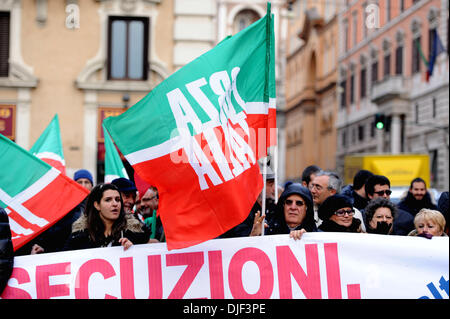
column 320, row 265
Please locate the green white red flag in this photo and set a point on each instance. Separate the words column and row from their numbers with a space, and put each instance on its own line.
column 198, row 135
column 113, row 164
column 48, row 147
column 34, row 194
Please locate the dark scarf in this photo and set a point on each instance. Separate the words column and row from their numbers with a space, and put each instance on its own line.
column 413, row 205
column 330, row 226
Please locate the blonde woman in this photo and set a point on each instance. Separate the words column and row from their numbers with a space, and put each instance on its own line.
column 428, row 223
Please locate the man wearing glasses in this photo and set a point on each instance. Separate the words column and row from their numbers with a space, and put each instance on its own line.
column 324, row 185
column 380, row 186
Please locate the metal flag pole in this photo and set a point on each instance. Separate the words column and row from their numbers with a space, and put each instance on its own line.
column 263, row 195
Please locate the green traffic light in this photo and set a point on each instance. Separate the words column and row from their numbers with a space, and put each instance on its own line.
column 380, row 125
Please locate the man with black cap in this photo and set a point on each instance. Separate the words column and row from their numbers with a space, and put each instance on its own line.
column 128, row 191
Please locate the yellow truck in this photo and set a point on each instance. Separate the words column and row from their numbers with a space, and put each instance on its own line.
column 401, row 169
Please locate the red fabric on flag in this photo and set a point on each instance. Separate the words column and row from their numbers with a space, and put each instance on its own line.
column 48, row 206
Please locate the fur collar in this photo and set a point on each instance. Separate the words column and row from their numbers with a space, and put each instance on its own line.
column 132, row 224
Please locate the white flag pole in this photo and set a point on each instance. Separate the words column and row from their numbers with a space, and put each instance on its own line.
column 275, row 170
column 263, row 196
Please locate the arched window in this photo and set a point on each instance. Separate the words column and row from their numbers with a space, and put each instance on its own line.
column 243, row 19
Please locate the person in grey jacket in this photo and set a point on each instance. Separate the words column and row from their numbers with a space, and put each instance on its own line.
column 6, row 250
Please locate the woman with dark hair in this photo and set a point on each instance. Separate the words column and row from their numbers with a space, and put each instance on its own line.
column 294, row 213
column 104, row 222
column 380, row 214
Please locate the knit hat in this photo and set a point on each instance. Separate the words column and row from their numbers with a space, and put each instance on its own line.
column 124, row 185
column 332, row 204
column 83, row 173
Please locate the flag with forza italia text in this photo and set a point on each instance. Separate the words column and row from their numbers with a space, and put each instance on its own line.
column 199, row 134
column 34, row 194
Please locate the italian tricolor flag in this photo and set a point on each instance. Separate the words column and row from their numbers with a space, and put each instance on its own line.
column 48, row 147
column 34, row 194
column 199, row 134
column 113, row 164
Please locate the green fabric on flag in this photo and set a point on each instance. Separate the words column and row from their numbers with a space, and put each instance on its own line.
column 18, row 176
column 151, row 222
column 50, row 140
column 113, row 164
column 422, row 56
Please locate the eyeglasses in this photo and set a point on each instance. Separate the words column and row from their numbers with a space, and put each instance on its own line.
column 350, row 212
column 386, row 191
column 289, row 202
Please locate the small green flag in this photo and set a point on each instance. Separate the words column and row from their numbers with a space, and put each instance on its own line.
column 113, row 164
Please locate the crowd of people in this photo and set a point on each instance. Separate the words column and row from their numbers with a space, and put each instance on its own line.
column 116, row 214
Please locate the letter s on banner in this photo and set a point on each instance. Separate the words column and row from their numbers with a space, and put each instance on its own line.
column 22, row 277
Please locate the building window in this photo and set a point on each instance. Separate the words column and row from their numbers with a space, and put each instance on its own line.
column 352, row 88
column 402, row 5
column 343, row 94
column 128, row 48
column 434, row 107
column 374, row 75
column 344, row 138
column 354, row 27
column 416, row 55
column 388, row 10
column 243, row 19
column 361, row 133
column 345, row 35
column 416, row 109
column 399, row 60
column 387, row 65
column 362, row 81
column 4, row 43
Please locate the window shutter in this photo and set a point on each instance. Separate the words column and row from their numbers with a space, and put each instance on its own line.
column 4, row 43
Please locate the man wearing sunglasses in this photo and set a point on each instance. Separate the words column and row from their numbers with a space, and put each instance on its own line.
column 379, row 186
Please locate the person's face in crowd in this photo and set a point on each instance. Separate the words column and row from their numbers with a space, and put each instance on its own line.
column 311, row 178
column 382, row 214
column 381, row 191
column 109, row 205
column 319, row 189
column 343, row 216
column 149, row 202
column 428, row 226
column 270, row 189
column 294, row 210
column 418, row 190
column 85, row 183
column 129, row 199
column 138, row 203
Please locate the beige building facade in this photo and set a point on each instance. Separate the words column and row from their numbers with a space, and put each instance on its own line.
column 89, row 59
column 311, row 75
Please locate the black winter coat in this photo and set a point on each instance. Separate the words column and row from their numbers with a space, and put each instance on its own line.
column 80, row 239
column 6, row 250
column 413, row 206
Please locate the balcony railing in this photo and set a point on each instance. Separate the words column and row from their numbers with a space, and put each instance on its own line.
column 389, row 88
